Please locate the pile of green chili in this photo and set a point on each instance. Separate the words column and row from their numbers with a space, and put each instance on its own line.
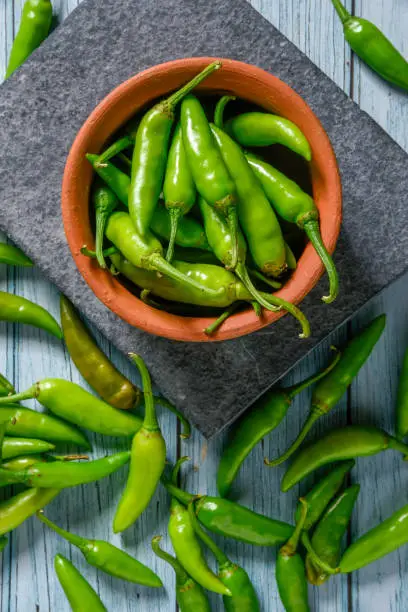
column 175, row 181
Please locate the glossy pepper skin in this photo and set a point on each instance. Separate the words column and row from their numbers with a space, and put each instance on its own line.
column 242, row 595
column 337, row 445
column 220, row 239
column 27, row 423
column 72, row 403
column 256, row 216
column 322, row 492
column 13, row 256
column 147, row 461
column 107, row 558
column 78, row 591
column 13, row 447
column 190, row 233
column 190, row 596
column 16, row 309
column 98, row 371
column 328, row 535
column 186, row 544
column 401, row 425
column 295, row 206
column 330, row 390
column 34, row 27
column 290, row 572
column 17, row 509
column 232, row 520
column 104, row 202
column 373, row 47
column 377, row 542
column 263, row 129
column 262, row 418
column 211, row 176
column 67, row 474
column 150, row 153
column 178, row 188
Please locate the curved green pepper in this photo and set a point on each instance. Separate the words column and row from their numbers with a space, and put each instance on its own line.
column 16, row 309
column 13, row 256
column 79, row 592
column 17, row 509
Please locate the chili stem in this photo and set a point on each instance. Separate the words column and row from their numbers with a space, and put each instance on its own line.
column 150, row 420
column 159, row 263
column 106, row 252
column 204, row 537
column 76, row 540
column 314, row 557
column 183, row 496
column 219, row 110
column 31, row 393
column 124, row 158
column 257, row 308
column 181, row 574
column 398, row 446
column 162, row 401
column 115, row 148
column 268, row 281
column 310, row 421
column 341, row 11
column 289, row 549
column 223, row 317
column 312, row 231
column 175, row 98
column 176, row 469
column 174, row 214
column 296, row 389
column 101, row 218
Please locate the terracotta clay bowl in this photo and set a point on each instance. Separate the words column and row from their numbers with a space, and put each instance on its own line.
column 249, row 83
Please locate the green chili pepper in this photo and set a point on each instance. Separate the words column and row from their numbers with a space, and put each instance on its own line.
column 242, row 596
column 178, row 187
column 28, row 423
column 295, row 206
column 186, row 545
column 190, row 596
column 23, row 462
column 263, row 129
column 402, row 400
column 142, row 252
column 328, row 535
column 13, row 256
column 232, row 520
column 377, row 542
column 370, row 44
column 99, row 372
column 66, row 474
column 107, row 558
column 211, row 175
column 337, row 445
column 262, row 418
column 3, row 543
column 72, row 403
column 34, row 27
column 189, row 232
column 219, row 287
column 3, row 427
column 148, row 458
column 323, row 491
column 105, row 202
column 220, row 240
column 5, row 386
column 290, row 570
column 150, row 154
column 17, row 509
column 79, row 592
column 13, row 447
column 17, row 309
column 257, row 219
column 126, row 142
column 219, row 110
column 330, row 390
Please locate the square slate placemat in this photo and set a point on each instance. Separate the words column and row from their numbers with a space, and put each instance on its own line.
column 101, row 44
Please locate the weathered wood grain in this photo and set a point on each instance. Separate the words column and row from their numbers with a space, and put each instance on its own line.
column 27, row 578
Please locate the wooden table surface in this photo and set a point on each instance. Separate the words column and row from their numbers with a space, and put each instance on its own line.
column 28, row 582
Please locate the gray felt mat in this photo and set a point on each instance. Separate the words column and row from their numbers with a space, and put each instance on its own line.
column 101, row 44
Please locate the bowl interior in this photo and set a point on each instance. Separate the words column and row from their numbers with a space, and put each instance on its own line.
column 254, row 87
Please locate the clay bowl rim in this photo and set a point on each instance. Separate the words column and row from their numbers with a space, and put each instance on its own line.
column 113, row 111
